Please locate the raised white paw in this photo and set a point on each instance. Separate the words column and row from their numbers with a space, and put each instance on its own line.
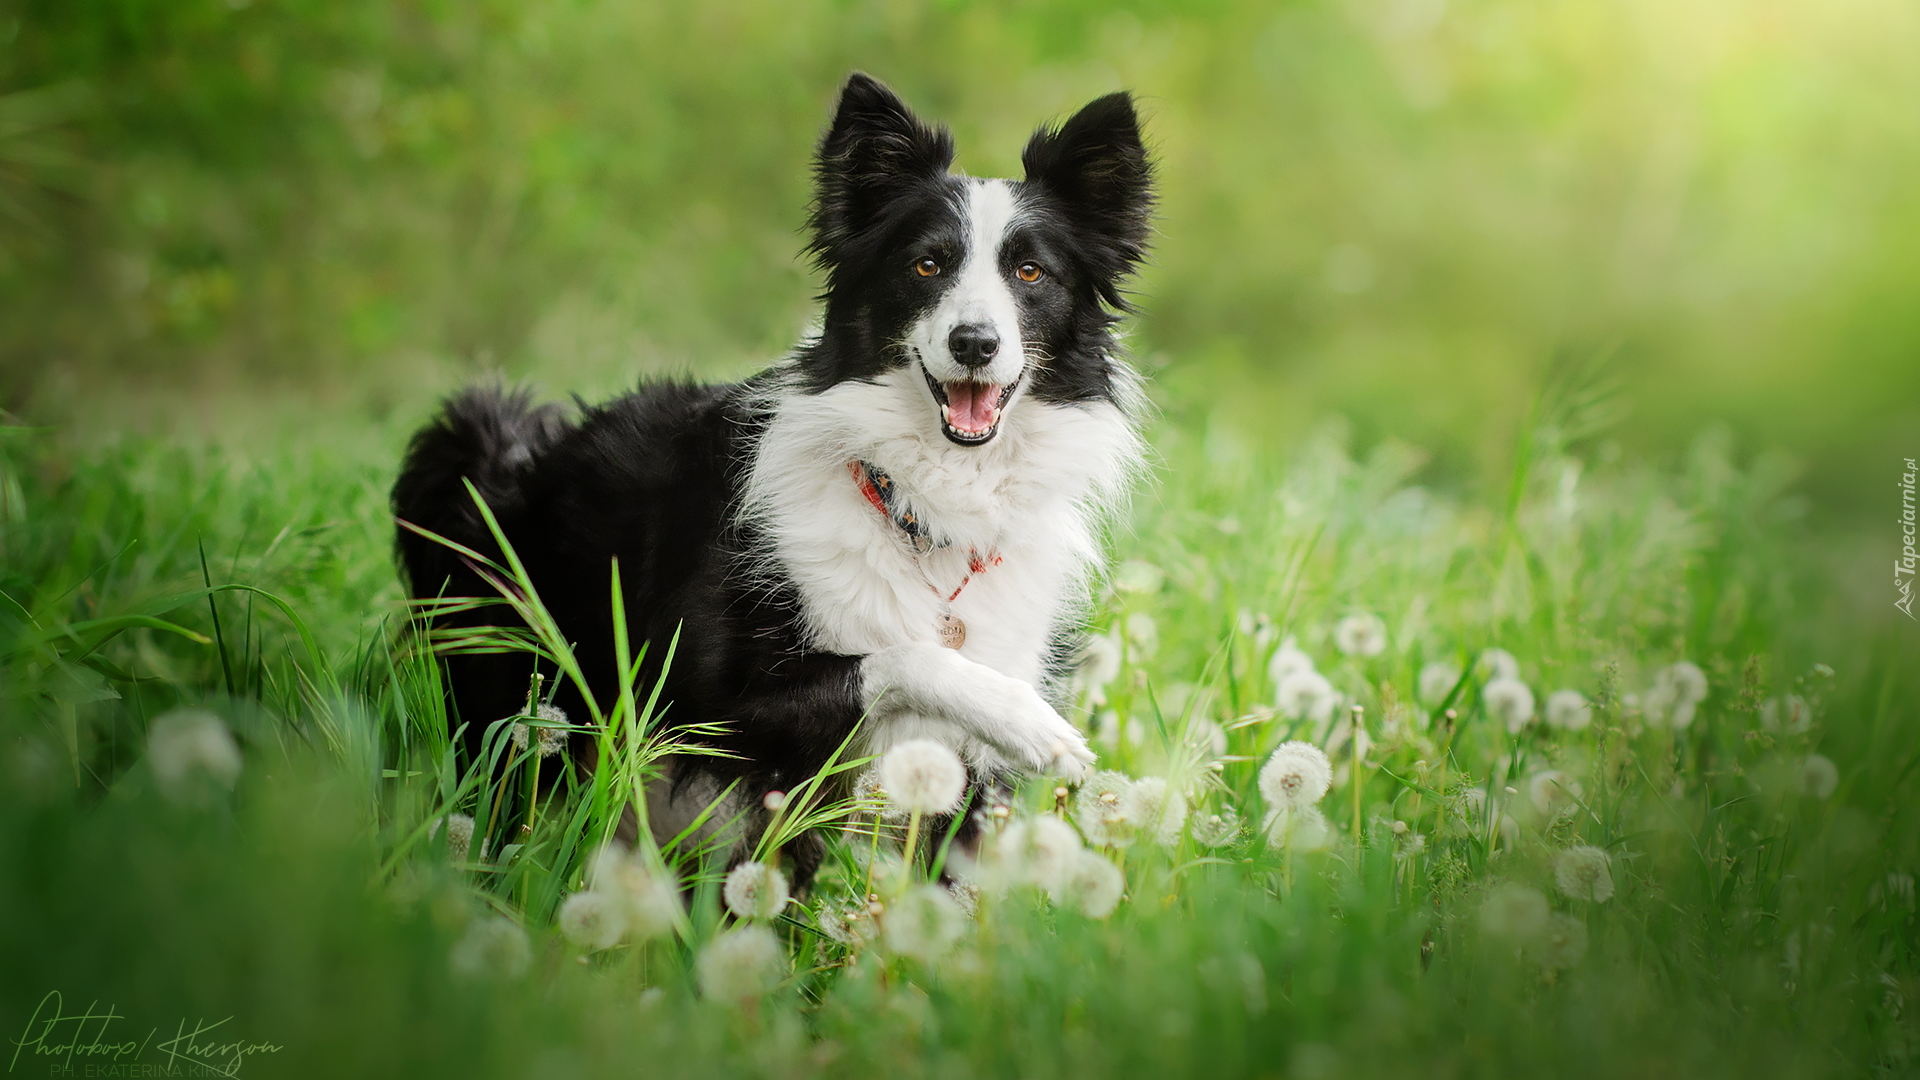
column 1034, row 736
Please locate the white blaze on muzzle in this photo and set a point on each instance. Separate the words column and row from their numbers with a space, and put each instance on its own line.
column 970, row 344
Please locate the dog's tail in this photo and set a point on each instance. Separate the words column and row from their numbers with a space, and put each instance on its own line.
column 489, row 436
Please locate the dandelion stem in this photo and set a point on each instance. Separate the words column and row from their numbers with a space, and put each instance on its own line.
column 1359, row 758
column 913, row 839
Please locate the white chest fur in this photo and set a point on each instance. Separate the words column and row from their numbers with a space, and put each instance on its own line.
column 1036, row 496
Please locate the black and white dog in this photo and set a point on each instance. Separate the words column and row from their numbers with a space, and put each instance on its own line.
column 899, row 522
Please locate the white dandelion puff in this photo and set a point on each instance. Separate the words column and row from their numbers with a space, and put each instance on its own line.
column 924, row 922
column 1100, row 665
column 649, row 900
column 1102, row 809
column 1217, row 829
column 923, row 776
column 1296, row 776
column 593, row 920
column 1308, row 695
column 1499, row 664
column 1568, row 710
column 1552, row 791
column 188, row 749
column 1688, row 681
column 1561, row 944
column 967, row 895
column 1143, row 634
column 1514, row 912
column 1819, row 776
column 1138, row 576
column 1361, row 635
column 459, row 835
column 849, row 925
column 1789, row 714
column 551, row 740
column 1287, row 660
column 1157, row 809
column 742, row 964
column 1301, row 829
column 1035, row 851
column 755, row 890
column 1437, row 680
column 1509, row 702
column 1584, row 872
column 1092, row 885
column 492, row 948
column 1677, row 691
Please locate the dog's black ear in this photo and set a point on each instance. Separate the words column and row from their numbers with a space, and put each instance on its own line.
column 1096, row 165
column 875, row 149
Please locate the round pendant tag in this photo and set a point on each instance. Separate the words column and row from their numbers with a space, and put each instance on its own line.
column 953, row 632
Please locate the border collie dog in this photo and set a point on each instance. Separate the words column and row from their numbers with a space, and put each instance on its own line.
column 892, row 532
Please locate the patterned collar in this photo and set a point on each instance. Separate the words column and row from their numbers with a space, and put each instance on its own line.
column 881, row 493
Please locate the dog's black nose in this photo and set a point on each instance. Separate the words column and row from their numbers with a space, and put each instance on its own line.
column 973, row 345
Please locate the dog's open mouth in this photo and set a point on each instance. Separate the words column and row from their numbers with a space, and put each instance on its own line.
column 970, row 411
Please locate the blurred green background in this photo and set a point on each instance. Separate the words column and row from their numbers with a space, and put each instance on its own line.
column 219, row 212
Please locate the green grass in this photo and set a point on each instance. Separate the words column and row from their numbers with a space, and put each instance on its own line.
column 1755, row 928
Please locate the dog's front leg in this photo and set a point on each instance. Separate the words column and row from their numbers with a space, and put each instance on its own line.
column 1002, row 713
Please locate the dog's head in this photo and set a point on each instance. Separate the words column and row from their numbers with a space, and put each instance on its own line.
column 992, row 289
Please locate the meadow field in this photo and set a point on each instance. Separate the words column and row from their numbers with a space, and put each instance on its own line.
column 1500, row 672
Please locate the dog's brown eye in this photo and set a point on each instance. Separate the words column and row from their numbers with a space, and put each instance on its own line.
column 926, row 268
column 1028, row 272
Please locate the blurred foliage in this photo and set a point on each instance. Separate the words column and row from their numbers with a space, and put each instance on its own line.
column 1406, row 210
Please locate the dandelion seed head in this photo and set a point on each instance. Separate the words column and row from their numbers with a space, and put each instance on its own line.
column 849, row 925
column 459, row 835
column 1584, row 872
column 923, row 922
column 1216, row 829
column 1143, row 634
column 1568, row 710
column 1100, row 664
column 1509, row 702
column 552, row 740
column 1687, row 681
column 1138, row 576
column 1561, row 944
column 1514, row 912
column 1789, row 714
column 1296, row 776
column 924, row 776
column 1101, row 810
column 1361, row 635
column 650, row 900
column 1287, row 660
column 1436, row 680
column 188, row 750
column 1819, row 776
column 1035, row 851
column 1552, row 791
column 593, row 920
column 1499, row 664
column 1306, row 694
column 492, row 948
column 755, row 890
column 1092, row 885
column 1301, row 829
column 1156, row 809
column 742, row 964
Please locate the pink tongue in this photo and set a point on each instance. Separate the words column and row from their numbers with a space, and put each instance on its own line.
column 970, row 405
